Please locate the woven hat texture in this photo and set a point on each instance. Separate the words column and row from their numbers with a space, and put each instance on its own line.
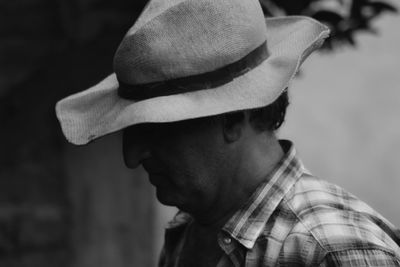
column 175, row 39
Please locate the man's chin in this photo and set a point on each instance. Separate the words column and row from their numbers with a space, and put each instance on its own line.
column 165, row 198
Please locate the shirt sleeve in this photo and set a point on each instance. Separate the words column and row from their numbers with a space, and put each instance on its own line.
column 360, row 257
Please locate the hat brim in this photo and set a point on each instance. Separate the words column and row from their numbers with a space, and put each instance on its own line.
column 99, row 110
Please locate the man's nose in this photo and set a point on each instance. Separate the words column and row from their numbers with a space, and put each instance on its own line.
column 135, row 150
column 134, row 159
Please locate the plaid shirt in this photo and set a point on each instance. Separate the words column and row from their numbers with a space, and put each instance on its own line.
column 296, row 219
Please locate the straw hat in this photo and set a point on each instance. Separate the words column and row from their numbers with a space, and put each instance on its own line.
column 185, row 59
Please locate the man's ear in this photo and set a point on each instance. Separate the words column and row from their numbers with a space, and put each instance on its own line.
column 233, row 126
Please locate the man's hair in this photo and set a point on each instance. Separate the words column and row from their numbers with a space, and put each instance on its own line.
column 267, row 118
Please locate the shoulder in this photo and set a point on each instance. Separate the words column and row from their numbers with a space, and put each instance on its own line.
column 332, row 222
column 361, row 257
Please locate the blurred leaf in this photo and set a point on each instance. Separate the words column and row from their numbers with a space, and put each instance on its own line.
column 345, row 18
column 381, row 6
column 327, row 16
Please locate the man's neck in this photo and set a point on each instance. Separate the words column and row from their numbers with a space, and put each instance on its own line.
column 259, row 159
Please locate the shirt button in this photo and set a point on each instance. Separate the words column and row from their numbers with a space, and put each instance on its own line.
column 227, row 240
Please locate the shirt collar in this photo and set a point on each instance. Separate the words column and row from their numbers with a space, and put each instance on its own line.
column 246, row 225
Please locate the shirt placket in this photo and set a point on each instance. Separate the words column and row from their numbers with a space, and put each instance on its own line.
column 230, row 247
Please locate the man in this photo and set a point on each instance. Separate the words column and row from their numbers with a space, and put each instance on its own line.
column 199, row 90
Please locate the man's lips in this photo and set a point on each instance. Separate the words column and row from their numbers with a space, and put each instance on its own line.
column 156, row 178
column 151, row 167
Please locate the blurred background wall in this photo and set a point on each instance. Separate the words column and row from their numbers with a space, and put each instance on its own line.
column 62, row 205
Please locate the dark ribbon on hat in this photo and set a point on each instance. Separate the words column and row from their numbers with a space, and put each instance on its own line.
column 202, row 81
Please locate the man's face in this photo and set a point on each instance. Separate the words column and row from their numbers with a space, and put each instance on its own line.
column 185, row 161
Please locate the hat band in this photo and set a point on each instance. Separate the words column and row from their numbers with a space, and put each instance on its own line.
column 198, row 82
